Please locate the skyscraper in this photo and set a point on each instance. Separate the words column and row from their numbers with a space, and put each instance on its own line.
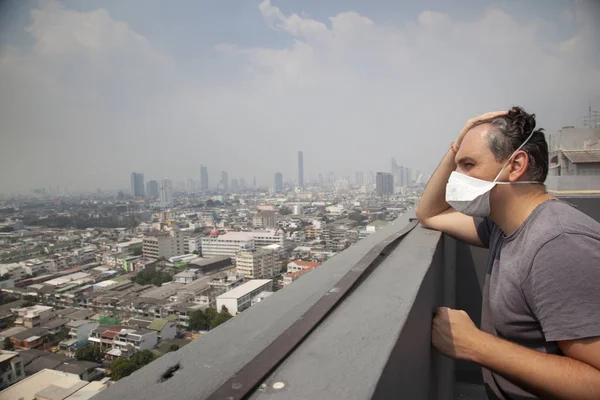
column 224, row 181
column 203, row 178
column 191, row 185
column 359, row 178
column 234, row 185
column 300, row 169
column 278, row 182
column 242, row 183
column 137, row 184
column 152, row 188
column 384, row 184
column 166, row 193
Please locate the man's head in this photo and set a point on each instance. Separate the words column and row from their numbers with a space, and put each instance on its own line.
column 489, row 145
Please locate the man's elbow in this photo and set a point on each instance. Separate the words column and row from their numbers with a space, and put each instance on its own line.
column 421, row 216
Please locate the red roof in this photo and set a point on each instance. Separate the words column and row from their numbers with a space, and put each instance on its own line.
column 307, row 264
column 302, row 271
column 109, row 334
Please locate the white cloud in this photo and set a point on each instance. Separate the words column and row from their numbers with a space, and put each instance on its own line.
column 92, row 100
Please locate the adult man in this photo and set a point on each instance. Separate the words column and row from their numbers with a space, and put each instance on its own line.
column 540, row 329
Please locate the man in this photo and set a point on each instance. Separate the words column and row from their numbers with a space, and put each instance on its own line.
column 540, row 325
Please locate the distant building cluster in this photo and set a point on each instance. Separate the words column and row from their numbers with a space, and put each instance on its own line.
column 156, row 269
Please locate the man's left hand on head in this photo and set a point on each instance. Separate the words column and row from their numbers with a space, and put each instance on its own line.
column 453, row 333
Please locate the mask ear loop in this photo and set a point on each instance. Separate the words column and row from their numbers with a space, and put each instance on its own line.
column 513, row 154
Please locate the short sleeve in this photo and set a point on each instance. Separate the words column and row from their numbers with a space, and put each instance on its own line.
column 484, row 229
column 564, row 284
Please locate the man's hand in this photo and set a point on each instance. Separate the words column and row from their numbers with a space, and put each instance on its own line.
column 473, row 121
column 453, row 333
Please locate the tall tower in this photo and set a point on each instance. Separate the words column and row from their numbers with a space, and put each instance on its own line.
column 203, row 178
column 137, row 184
column 166, row 193
column 152, row 189
column 384, row 184
column 278, row 182
column 300, row 169
column 224, row 181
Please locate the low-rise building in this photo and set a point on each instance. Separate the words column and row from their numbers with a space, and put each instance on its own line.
column 51, row 384
column 256, row 263
column 299, row 265
column 163, row 244
column 187, row 276
column 291, row 277
column 80, row 329
column 34, row 315
column 264, row 219
column 241, row 297
column 108, row 337
column 11, row 369
column 226, row 245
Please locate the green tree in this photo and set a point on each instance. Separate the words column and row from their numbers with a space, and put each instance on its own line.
column 142, row 358
column 221, row 317
column 137, row 251
column 198, row 321
column 120, row 368
column 173, row 347
column 356, row 216
column 285, row 211
column 8, row 344
column 210, row 314
column 210, row 203
column 156, row 277
column 89, row 352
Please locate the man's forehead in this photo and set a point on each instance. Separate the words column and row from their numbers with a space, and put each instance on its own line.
column 475, row 142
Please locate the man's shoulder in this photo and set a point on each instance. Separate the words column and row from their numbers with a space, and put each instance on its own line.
column 560, row 217
column 551, row 220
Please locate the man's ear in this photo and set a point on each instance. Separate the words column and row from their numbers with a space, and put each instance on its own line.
column 518, row 166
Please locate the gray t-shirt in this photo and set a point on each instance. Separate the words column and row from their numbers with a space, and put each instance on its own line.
column 542, row 284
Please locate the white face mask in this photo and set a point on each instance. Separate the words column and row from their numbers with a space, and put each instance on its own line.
column 471, row 196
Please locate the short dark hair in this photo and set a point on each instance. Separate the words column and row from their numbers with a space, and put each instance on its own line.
column 510, row 131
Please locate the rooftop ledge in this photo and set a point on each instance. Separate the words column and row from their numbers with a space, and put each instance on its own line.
column 374, row 345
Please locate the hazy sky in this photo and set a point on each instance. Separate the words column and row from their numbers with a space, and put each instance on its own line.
column 91, row 91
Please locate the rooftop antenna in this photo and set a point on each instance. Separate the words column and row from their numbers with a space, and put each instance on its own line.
column 592, row 120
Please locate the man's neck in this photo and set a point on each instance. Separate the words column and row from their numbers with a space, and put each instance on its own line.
column 513, row 210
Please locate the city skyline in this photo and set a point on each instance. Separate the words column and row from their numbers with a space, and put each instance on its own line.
column 79, row 78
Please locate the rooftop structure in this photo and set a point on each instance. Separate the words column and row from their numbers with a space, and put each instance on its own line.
column 53, row 385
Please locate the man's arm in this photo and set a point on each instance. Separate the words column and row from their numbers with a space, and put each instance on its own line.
column 545, row 375
column 573, row 376
column 433, row 212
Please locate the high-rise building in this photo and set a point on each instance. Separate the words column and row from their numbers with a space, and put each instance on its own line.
column 278, row 182
column 359, row 178
column 254, row 182
column 384, row 184
column 137, row 184
column 300, row 169
column 398, row 172
column 224, row 181
column 370, row 178
column 191, row 185
column 320, row 179
column 203, row 178
column 242, row 183
column 234, row 185
column 166, row 193
column 152, row 189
